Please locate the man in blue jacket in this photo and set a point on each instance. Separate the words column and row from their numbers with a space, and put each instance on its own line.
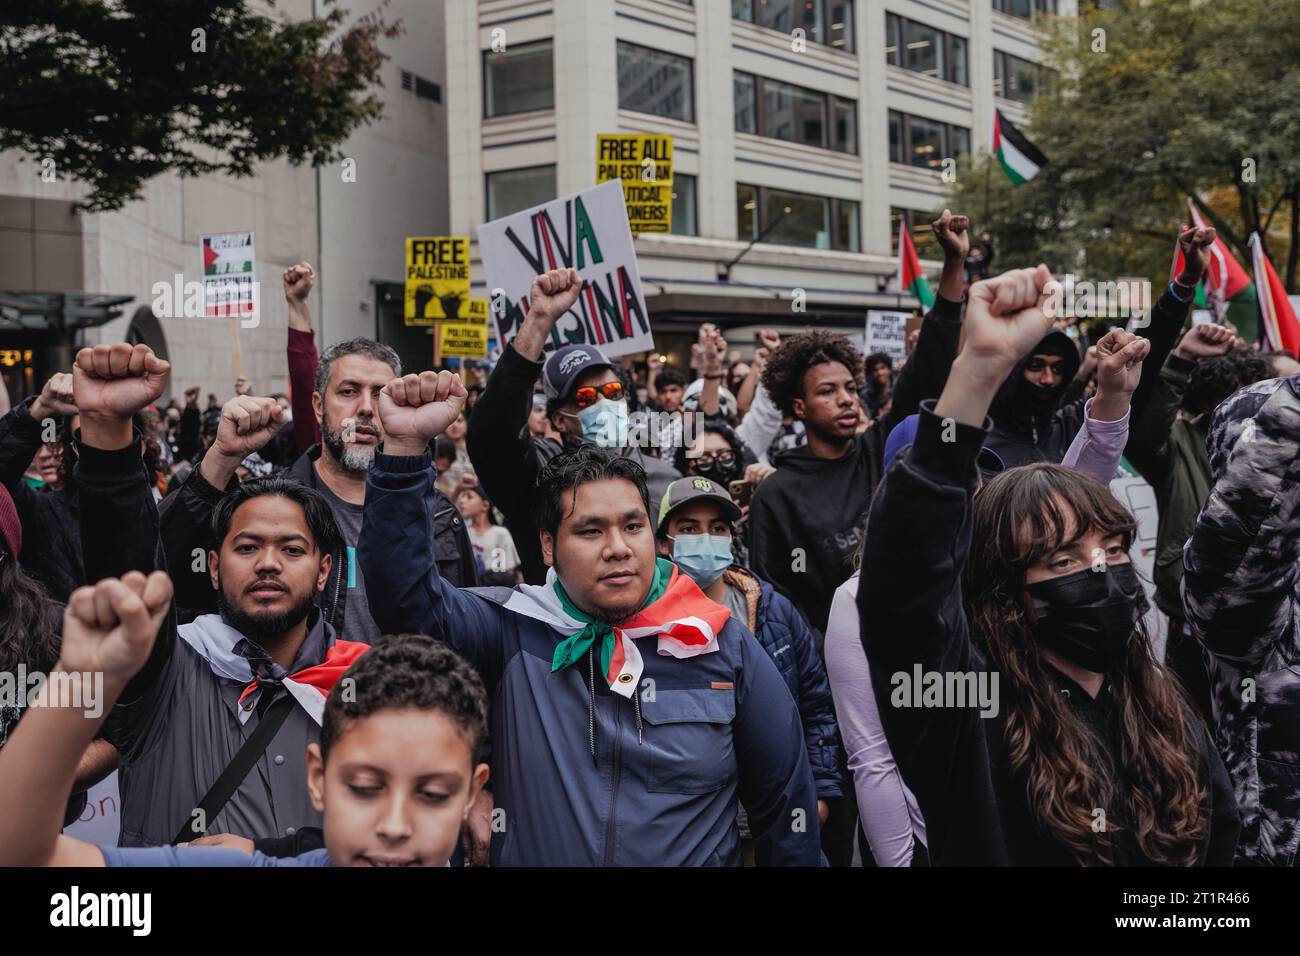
column 695, row 533
column 603, row 752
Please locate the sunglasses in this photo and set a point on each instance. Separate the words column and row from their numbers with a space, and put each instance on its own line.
column 589, row 395
column 722, row 458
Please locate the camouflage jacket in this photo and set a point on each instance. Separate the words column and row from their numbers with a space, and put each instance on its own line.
column 1240, row 596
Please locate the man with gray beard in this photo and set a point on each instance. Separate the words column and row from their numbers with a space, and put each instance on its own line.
column 349, row 376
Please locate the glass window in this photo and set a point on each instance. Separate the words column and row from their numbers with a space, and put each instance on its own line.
column 518, row 80
column 896, row 138
column 847, row 232
column 827, row 22
column 845, row 131
column 684, row 205
column 893, row 39
column 514, row 189
column 746, row 211
column 797, row 219
column 746, row 119
column 958, row 141
column 957, row 61
column 651, row 81
column 925, row 145
column 839, row 30
column 918, row 227
column 922, row 49
column 1017, row 79
column 793, row 114
column 1025, row 8
column 806, row 224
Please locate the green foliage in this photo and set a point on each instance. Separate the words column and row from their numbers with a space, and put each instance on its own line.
column 1182, row 96
column 116, row 92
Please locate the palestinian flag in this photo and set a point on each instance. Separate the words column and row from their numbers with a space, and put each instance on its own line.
column 1281, row 330
column 911, row 278
column 1020, row 158
column 1225, row 289
column 685, row 622
column 214, row 640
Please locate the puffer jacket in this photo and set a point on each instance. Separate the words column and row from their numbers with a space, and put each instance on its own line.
column 1240, row 573
column 789, row 641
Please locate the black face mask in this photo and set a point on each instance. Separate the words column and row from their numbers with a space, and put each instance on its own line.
column 1089, row 617
column 1036, row 400
column 719, row 472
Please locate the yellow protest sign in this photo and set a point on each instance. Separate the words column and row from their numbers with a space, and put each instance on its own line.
column 474, row 311
column 462, row 340
column 643, row 162
column 437, row 278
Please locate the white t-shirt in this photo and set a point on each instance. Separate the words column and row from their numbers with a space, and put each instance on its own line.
column 494, row 549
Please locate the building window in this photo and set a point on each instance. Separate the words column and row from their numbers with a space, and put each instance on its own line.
column 1017, row 79
column 1025, row 9
column 925, row 142
column 514, row 189
column 684, row 205
column 797, row 115
column 519, row 80
column 814, row 222
column 918, row 227
column 828, row 22
column 651, row 81
column 745, row 89
column 922, row 49
column 844, row 132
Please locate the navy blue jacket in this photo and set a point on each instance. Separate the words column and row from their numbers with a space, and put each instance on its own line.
column 662, row 786
column 789, row 641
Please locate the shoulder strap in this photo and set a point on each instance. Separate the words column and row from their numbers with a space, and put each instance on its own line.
column 220, row 792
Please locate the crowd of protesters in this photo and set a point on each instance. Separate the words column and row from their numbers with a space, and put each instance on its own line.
column 417, row 617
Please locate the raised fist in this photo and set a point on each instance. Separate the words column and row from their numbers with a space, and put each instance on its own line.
column 1119, row 362
column 553, row 293
column 297, row 281
column 110, row 627
column 415, row 409
column 116, row 381
column 710, row 350
column 243, row 386
column 246, row 425
column 1006, row 316
column 1195, row 244
column 56, row 398
column 1207, row 340
column 953, row 234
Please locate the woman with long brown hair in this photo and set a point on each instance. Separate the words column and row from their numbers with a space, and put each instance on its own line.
column 1013, row 675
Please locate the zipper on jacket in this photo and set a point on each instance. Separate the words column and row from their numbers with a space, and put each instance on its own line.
column 338, row 587
column 591, row 706
column 613, row 802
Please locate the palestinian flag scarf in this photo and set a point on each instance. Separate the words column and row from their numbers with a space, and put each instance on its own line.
column 675, row 610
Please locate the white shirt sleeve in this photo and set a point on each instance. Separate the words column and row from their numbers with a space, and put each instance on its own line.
column 888, row 810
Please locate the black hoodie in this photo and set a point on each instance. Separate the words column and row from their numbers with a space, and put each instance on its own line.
column 1028, row 426
column 806, row 522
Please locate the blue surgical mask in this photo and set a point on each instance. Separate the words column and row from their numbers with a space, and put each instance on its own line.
column 702, row 556
column 604, row 424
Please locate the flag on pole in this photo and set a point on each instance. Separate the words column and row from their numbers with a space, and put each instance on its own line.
column 1281, row 329
column 910, row 277
column 1020, row 159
